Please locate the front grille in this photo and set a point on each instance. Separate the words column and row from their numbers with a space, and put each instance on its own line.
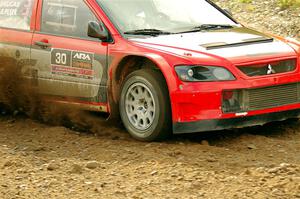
column 261, row 98
column 269, row 68
column 270, row 97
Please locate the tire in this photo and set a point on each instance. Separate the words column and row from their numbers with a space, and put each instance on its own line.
column 145, row 105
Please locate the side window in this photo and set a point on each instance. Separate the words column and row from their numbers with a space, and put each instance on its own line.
column 15, row 14
column 66, row 17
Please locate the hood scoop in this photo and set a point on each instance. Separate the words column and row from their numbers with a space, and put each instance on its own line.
column 244, row 42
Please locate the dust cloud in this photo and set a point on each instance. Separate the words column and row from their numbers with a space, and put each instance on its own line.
column 20, row 96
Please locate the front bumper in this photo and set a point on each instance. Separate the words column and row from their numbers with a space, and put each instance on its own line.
column 240, row 122
column 199, row 107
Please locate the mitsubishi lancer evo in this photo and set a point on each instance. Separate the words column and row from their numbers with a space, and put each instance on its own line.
column 162, row 66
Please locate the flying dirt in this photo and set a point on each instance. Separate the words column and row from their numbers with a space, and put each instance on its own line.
column 19, row 95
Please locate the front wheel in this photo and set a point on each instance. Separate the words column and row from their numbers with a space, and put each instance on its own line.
column 145, row 105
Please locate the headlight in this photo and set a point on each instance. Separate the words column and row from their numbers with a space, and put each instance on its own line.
column 203, row 73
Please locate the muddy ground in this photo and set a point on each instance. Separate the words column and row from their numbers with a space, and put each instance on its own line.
column 88, row 158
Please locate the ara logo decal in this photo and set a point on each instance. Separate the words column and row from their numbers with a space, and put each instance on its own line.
column 82, row 56
column 82, row 60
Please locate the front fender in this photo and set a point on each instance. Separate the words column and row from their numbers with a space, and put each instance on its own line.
column 165, row 66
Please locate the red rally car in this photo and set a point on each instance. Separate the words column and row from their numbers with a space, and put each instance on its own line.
column 163, row 65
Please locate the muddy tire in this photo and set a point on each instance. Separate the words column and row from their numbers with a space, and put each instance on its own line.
column 145, row 105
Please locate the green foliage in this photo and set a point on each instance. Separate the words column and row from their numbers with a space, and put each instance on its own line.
column 288, row 3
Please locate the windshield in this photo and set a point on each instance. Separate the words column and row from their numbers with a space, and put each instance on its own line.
column 164, row 15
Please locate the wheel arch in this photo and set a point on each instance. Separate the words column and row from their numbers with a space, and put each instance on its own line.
column 131, row 63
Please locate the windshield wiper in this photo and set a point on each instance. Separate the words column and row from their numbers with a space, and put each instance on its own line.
column 151, row 32
column 208, row 27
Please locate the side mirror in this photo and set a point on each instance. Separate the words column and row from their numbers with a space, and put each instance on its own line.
column 97, row 30
column 227, row 11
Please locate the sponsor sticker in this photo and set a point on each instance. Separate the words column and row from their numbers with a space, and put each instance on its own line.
column 72, row 72
column 82, row 60
column 15, row 8
column 9, row 8
column 72, row 63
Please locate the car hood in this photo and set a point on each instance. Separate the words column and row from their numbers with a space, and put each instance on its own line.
column 237, row 45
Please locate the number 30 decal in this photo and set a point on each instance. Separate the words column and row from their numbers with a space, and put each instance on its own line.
column 60, row 57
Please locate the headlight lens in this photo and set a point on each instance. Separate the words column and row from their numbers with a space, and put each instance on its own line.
column 203, row 73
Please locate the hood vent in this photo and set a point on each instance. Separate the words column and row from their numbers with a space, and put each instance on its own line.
column 218, row 45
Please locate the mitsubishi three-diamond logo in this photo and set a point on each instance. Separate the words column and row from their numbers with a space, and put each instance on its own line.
column 270, row 70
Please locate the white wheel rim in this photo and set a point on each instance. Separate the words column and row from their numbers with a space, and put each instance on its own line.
column 140, row 106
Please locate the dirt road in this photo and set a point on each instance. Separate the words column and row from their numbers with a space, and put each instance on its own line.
column 40, row 161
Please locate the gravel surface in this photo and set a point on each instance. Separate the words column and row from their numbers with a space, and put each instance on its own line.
column 266, row 16
column 40, row 161
column 43, row 161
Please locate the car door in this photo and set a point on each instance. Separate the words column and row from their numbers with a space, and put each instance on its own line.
column 70, row 64
column 16, row 30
